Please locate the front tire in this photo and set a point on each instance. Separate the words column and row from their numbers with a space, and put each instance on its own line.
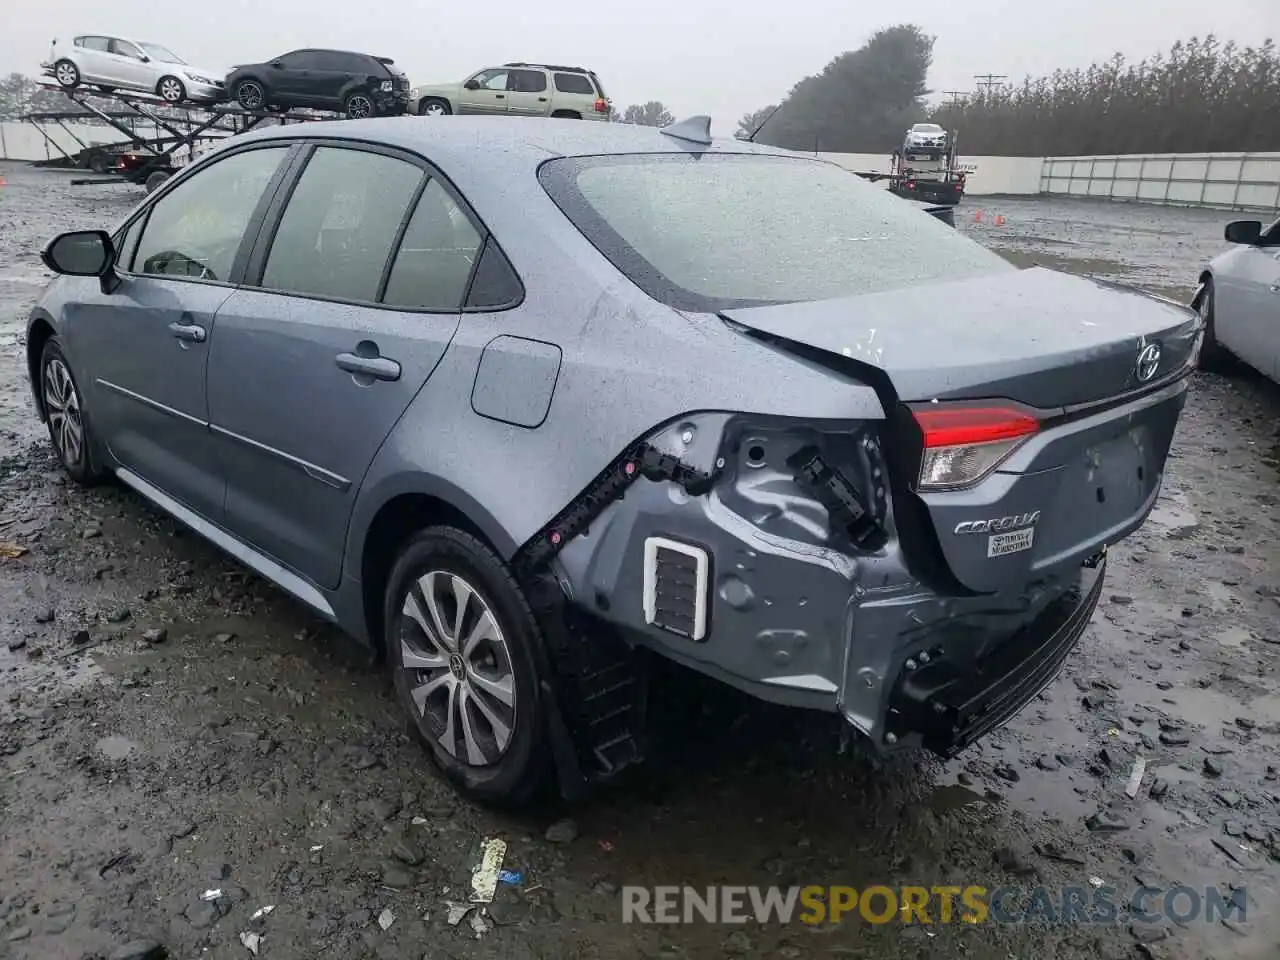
column 359, row 106
column 171, row 90
column 1212, row 355
column 69, row 430
column 67, row 74
column 251, row 95
column 460, row 642
column 433, row 107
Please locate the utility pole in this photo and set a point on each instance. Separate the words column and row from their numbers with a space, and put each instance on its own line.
column 989, row 81
column 955, row 98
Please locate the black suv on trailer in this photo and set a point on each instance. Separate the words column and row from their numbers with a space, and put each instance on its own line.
column 356, row 84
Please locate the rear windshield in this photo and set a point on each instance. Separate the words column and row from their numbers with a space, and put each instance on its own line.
column 707, row 232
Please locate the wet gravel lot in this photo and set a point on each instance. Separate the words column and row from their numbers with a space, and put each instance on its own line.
column 182, row 746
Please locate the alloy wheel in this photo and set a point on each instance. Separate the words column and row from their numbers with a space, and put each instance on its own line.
column 62, row 403
column 171, row 90
column 359, row 107
column 250, row 95
column 434, row 110
column 458, row 667
column 66, row 74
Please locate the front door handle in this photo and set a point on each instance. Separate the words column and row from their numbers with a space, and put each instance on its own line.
column 380, row 368
column 542, row 99
column 500, row 96
column 190, row 332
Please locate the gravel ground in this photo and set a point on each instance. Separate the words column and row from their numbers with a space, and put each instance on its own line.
column 171, row 725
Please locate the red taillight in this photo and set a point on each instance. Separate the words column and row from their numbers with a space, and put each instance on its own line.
column 602, row 105
column 911, row 184
column 962, row 445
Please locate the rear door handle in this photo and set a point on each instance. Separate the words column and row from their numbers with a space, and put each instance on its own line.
column 380, row 368
column 500, row 96
column 191, row 332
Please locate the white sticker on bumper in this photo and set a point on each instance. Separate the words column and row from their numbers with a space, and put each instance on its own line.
column 1002, row 544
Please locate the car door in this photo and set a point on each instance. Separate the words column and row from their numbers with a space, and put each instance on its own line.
column 147, row 340
column 527, row 94
column 94, row 58
column 1247, row 303
column 294, row 77
column 331, row 71
column 358, row 293
column 485, row 93
column 129, row 67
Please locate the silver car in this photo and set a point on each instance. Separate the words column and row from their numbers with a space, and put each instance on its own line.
column 925, row 136
column 524, row 403
column 1239, row 298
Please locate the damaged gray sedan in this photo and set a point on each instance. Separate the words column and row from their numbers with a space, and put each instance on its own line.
column 523, row 402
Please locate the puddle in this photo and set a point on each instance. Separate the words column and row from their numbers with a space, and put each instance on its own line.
column 116, row 748
column 1174, row 515
column 1233, row 637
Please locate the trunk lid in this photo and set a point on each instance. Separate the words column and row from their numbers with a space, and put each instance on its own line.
column 1037, row 336
column 1102, row 368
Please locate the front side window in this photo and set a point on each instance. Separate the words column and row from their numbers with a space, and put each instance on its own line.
column 195, row 229
column 436, row 256
column 341, row 222
column 124, row 48
column 714, row 231
column 157, row 52
column 490, row 80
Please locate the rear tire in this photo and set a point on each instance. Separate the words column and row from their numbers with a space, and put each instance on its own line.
column 67, row 74
column 478, row 707
column 1213, row 356
column 66, row 418
column 155, row 180
column 359, row 106
column 434, row 107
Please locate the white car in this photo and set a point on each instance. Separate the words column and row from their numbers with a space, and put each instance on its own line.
column 926, row 135
column 1239, row 299
column 115, row 63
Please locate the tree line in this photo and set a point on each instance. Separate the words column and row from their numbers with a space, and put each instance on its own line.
column 1200, row 96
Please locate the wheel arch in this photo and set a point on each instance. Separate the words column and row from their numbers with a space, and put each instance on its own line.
column 385, row 519
column 447, row 101
column 567, row 114
column 40, row 330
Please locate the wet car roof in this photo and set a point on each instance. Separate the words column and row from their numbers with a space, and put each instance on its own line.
column 524, row 140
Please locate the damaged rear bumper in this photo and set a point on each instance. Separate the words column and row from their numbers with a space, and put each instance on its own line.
column 945, row 699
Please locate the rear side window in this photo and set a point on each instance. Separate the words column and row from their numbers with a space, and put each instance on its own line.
column 101, row 44
column 526, row 81
column 436, row 255
column 707, row 232
column 195, row 230
column 340, row 225
column 574, row 83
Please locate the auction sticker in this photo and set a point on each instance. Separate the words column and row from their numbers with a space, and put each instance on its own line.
column 1001, row 544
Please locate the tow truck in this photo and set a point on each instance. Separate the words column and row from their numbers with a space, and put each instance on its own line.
column 927, row 173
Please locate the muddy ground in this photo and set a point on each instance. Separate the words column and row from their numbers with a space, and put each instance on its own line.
column 171, row 725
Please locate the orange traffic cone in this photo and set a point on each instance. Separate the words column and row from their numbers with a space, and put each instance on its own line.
column 1000, row 220
column 977, row 216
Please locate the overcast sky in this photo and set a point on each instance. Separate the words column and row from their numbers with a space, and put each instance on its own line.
column 697, row 57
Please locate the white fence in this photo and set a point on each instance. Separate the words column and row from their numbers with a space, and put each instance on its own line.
column 1238, row 181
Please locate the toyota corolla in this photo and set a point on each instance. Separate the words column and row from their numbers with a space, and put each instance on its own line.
column 523, row 402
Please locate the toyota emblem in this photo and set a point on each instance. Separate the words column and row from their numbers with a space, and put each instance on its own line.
column 1148, row 362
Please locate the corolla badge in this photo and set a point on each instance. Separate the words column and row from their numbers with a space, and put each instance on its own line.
column 999, row 524
column 1148, row 362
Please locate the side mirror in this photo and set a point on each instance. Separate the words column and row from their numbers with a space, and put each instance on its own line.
column 277, row 64
column 144, row 58
column 80, row 253
column 1248, row 232
column 472, row 84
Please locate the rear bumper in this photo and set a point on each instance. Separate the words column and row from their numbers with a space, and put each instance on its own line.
column 946, row 701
